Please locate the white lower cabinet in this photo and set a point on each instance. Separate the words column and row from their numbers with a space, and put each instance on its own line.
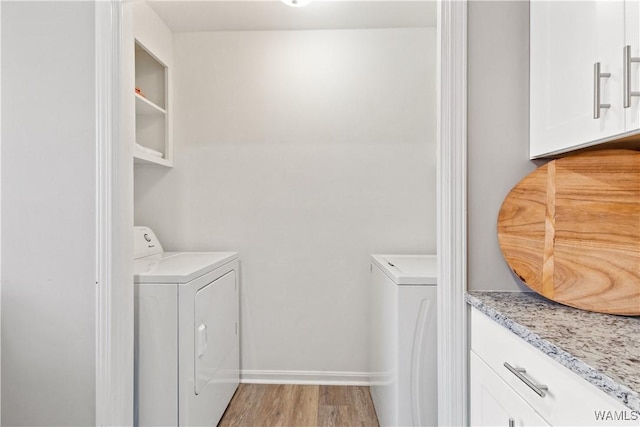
column 494, row 403
column 512, row 383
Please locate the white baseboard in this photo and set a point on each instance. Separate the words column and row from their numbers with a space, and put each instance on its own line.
column 304, row 377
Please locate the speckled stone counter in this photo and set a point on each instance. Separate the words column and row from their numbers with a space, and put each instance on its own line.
column 602, row 348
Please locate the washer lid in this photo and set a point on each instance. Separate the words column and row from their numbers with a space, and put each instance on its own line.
column 409, row 269
column 178, row 267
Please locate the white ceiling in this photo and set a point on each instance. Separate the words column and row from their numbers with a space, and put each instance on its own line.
column 248, row 15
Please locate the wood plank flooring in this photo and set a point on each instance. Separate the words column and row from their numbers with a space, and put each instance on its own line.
column 299, row 406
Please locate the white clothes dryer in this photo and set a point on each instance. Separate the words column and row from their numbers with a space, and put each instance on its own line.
column 403, row 356
column 186, row 333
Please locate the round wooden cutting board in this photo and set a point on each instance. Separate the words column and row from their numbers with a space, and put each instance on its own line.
column 570, row 231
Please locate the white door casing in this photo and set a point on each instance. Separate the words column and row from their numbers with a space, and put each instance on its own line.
column 452, row 213
column 114, row 224
column 114, row 214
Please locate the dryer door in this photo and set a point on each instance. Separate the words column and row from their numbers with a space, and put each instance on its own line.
column 216, row 343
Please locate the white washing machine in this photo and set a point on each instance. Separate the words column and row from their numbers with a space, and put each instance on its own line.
column 186, row 333
column 403, row 356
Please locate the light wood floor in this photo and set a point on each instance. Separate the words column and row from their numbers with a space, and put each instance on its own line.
column 299, row 406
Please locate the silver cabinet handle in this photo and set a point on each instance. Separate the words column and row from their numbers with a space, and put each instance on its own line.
column 512, row 422
column 597, row 75
column 540, row 390
column 627, row 93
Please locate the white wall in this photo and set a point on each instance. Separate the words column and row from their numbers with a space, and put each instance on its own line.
column 305, row 151
column 48, row 213
column 152, row 32
column 498, row 131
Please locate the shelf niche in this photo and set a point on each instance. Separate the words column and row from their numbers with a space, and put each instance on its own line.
column 152, row 135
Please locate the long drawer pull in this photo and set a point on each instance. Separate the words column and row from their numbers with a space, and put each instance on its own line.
column 540, row 390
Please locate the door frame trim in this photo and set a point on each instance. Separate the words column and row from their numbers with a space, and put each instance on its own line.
column 452, row 213
column 114, row 328
column 114, row 373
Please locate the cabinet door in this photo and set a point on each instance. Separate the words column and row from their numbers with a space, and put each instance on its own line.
column 567, row 39
column 494, row 403
column 632, row 39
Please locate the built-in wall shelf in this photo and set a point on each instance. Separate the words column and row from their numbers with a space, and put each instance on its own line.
column 144, row 106
column 153, row 145
column 142, row 158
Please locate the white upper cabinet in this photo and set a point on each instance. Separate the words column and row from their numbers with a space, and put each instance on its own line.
column 576, row 79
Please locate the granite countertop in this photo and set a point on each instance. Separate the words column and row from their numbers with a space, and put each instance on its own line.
column 603, row 349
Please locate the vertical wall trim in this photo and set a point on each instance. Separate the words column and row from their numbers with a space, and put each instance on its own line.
column 105, row 70
column 452, row 212
column 114, row 352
